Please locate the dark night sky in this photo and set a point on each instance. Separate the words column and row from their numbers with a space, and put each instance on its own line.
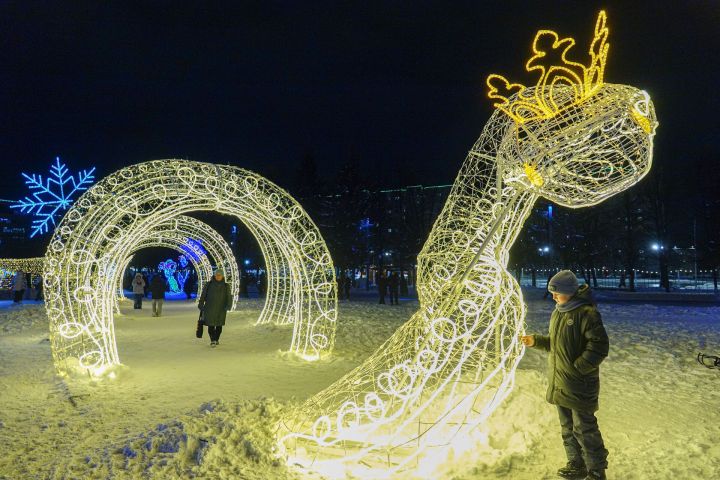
column 261, row 84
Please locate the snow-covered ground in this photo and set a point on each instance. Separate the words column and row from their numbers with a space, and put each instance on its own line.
column 183, row 410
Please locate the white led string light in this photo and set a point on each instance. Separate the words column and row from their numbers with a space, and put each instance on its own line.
column 33, row 265
column 91, row 242
column 445, row 370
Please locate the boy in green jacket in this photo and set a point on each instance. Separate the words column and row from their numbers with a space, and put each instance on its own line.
column 577, row 344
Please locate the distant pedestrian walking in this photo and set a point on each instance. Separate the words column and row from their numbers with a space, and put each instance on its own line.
column 382, row 287
column 244, row 281
column 394, row 287
column 38, row 288
column 158, row 285
column 19, row 286
column 262, row 284
column 138, row 286
column 215, row 301
column 189, row 287
column 403, row 285
column 346, row 285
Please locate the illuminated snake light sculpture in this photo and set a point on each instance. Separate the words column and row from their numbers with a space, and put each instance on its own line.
column 571, row 139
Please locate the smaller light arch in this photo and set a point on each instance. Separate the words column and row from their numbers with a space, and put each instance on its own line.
column 201, row 264
column 183, row 231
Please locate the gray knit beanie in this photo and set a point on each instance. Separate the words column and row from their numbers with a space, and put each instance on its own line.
column 564, row 282
column 220, row 271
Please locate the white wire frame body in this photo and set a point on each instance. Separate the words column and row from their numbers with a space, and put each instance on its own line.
column 90, row 243
column 446, row 370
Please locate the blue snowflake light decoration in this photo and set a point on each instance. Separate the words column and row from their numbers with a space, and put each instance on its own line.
column 52, row 195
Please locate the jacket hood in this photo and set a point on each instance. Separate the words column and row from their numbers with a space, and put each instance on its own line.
column 582, row 297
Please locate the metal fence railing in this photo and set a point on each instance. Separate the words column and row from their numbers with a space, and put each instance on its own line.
column 704, row 281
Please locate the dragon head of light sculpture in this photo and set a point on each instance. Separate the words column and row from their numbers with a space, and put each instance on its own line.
column 572, row 138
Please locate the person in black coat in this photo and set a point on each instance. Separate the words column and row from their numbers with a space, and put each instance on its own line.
column 262, row 284
column 403, row 285
column 158, row 286
column 189, row 286
column 347, row 284
column 146, row 287
column 577, row 343
column 215, row 301
column 382, row 287
column 394, row 288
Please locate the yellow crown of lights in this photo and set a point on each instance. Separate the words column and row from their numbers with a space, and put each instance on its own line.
column 555, row 69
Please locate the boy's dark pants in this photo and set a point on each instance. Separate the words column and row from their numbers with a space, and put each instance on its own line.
column 582, row 439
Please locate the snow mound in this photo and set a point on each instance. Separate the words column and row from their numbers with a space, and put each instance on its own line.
column 17, row 318
column 363, row 327
column 218, row 440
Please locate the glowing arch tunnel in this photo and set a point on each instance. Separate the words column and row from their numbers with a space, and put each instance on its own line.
column 182, row 234
column 91, row 243
column 203, row 267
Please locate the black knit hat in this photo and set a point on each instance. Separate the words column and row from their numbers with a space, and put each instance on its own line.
column 564, row 282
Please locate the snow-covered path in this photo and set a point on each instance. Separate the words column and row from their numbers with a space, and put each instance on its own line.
column 181, row 409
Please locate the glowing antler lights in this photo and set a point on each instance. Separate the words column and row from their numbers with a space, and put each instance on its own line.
column 92, row 241
column 571, row 139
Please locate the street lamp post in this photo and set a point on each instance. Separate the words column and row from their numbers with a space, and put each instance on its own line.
column 662, row 265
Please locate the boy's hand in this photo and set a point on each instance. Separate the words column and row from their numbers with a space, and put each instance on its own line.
column 528, row 340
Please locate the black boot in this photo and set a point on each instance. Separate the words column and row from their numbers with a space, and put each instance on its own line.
column 596, row 475
column 573, row 470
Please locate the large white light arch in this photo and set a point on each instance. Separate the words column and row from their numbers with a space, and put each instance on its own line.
column 90, row 243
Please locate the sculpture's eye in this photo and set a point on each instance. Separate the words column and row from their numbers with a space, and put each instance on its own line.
column 640, row 113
